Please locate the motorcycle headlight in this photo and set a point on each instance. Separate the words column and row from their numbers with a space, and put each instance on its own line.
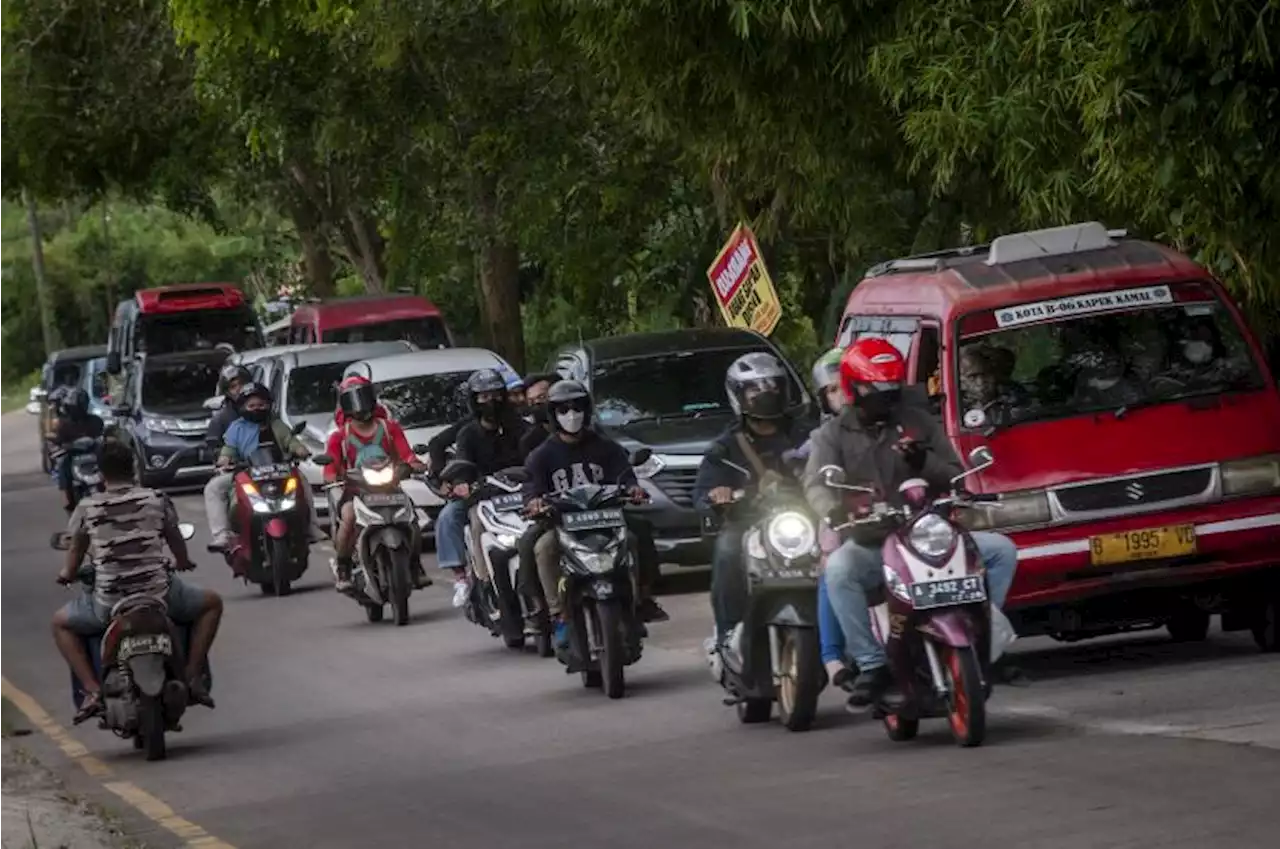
column 288, row 503
column 931, row 535
column 896, row 585
column 378, row 477
column 792, row 534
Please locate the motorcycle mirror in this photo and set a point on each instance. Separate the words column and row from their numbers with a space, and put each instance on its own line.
column 321, row 459
column 981, row 457
column 832, row 475
column 299, row 428
column 641, row 456
column 419, row 448
column 214, row 403
column 187, row 530
column 60, row 541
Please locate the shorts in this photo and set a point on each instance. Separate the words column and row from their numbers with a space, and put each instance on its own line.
column 89, row 619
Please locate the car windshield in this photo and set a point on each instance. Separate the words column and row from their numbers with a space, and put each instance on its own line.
column 178, row 387
column 427, row 333
column 314, row 389
column 1111, row 361
column 194, row 330
column 426, row 400
column 682, row 385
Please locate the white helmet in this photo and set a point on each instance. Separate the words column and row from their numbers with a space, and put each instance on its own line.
column 758, row 386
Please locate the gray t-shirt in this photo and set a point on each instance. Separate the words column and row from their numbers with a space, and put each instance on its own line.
column 126, row 530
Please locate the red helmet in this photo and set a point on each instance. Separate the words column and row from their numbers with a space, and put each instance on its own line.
column 874, row 363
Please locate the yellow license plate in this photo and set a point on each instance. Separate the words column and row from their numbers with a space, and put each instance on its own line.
column 1146, row 544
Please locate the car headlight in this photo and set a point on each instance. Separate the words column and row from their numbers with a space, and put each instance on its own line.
column 650, row 467
column 931, row 535
column 378, row 477
column 791, row 534
column 1252, row 476
column 896, row 585
column 1014, row 509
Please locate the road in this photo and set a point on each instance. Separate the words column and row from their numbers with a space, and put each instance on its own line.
column 331, row 732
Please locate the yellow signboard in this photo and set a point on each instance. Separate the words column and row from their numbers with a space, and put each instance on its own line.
column 742, row 286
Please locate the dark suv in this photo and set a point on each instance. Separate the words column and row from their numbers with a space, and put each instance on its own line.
column 665, row 391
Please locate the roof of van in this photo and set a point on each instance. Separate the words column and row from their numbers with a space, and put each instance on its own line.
column 439, row 361
column 365, row 309
column 984, row 277
column 181, row 296
column 672, row 342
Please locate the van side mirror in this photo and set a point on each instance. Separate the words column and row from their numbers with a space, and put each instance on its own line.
column 322, row 459
column 113, row 362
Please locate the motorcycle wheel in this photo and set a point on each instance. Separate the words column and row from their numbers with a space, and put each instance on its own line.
column 543, row 643
column 151, row 728
column 797, row 692
column 278, row 560
column 754, row 711
column 967, row 711
column 609, row 625
column 401, row 581
column 899, row 729
column 373, row 612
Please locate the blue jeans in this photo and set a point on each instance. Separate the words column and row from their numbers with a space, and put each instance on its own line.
column 852, row 570
column 728, row 580
column 451, row 535
column 830, row 636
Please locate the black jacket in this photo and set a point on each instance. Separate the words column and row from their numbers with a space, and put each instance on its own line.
column 713, row 474
column 556, row 465
column 491, row 451
column 534, row 437
column 69, row 430
column 219, row 422
column 440, row 443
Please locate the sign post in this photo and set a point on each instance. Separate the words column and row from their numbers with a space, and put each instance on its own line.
column 742, row 285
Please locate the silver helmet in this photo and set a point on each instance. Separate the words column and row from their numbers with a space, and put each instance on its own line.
column 758, row 386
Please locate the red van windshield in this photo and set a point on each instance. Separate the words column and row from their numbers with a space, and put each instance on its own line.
column 427, row 332
column 1105, row 353
column 192, row 330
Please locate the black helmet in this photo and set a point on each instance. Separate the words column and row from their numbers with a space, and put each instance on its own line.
column 252, row 390
column 357, row 398
column 567, row 399
column 75, row 404
column 487, row 380
column 757, row 385
column 232, row 372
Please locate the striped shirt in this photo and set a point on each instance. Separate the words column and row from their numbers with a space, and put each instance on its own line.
column 125, row 526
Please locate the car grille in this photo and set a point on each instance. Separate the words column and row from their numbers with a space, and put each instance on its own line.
column 677, row 484
column 1135, row 491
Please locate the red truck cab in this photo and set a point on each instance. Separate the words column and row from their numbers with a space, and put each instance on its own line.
column 1134, row 421
column 371, row 318
column 184, row 317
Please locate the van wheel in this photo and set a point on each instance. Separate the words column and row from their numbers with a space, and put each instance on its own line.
column 1189, row 625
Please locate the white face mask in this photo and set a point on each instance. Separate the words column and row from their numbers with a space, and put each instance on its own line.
column 1197, row 351
column 571, row 421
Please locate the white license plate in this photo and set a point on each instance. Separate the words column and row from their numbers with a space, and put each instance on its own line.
column 146, row 644
column 947, row 592
column 385, row 499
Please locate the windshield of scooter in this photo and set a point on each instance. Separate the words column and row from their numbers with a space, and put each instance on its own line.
column 265, row 455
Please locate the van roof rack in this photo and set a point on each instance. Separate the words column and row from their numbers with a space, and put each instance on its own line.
column 1015, row 247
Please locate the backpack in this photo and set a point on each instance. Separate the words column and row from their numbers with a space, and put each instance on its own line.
column 366, row 452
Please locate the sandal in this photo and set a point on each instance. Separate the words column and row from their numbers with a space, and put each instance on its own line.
column 199, row 695
column 90, row 707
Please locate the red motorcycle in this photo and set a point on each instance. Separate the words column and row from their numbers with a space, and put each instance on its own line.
column 935, row 618
column 271, row 515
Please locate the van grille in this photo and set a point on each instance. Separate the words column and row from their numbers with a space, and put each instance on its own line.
column 677, row 484
column 1139, row 491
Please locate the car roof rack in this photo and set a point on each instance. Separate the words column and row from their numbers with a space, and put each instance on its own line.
column 1015, row 247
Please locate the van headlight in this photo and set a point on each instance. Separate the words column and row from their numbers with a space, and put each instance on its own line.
column 650, row 467
column 791, row 534
column 378, row 477
column 1251, row 476
column 1015, row 509
column 931, row 535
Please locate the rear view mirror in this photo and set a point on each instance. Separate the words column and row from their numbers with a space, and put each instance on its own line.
column 321, row 459
column 187, row 530
column 832, row 475
column 641, row 456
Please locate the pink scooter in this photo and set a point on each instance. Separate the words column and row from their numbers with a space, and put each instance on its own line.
column 935, row 618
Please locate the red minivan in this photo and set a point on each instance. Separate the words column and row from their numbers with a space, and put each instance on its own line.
column 371, row 318
column 181, row 317
column 1134, row 422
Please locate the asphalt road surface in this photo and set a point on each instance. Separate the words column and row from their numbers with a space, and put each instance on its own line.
column 332, row 732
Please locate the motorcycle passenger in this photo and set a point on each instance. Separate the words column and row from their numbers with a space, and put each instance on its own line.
column 75, row 422
column 757, row 385
column 515, row 388
column 491, row 441
column 577, row 455
column 365, row 432
column 880, row 441
column 534, row 411
column 256, row 428
column 124, row 531
column 217, row 492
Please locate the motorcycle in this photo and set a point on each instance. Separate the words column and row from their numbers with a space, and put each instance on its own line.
column 140, row 660
column 773, row 654
column 387, row 537
column 599, row 566
column 86, row 477
column 935, row 617
column 498, row 600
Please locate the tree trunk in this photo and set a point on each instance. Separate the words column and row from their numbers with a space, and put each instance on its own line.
column 44, row 297
column 316, row 259
column 364, row 246
column 499, row 262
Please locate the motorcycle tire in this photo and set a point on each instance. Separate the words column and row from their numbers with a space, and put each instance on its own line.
column 543, row 644
column 373, row 612
column 802, row 673
column 396, row 567
column 899, row 729
column 151, row 728
column 967, row 708
column 279, row 561
column 609, row 628
column 755, row 711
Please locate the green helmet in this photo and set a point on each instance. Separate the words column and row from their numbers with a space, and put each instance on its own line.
column 826, row 371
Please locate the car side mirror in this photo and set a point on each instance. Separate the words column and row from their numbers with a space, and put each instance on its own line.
column 186, row 529
column 419, row 448
column 981, row 457
column 322, row 459
column 832, row 475
column 641, row 456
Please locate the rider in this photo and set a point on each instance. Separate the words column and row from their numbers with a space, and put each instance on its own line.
column 534, row 411
column 364, row 432
column 124, row 530
column 491, row 442
column 74, row 423
column 880, row 441
column 256, row 428
column 217, row 492
column 577, row 455
column 758, row 386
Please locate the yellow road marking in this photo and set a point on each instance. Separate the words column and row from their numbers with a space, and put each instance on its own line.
column 142, row 801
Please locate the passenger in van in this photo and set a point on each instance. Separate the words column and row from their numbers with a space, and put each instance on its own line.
column 1101, row 379
column 881, row 441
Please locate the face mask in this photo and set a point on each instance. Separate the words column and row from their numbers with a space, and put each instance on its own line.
column 876, row 406
column 571, row 421
column 363, row 416
column 1197, row 352
column 490, row 410
column 256, row 416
